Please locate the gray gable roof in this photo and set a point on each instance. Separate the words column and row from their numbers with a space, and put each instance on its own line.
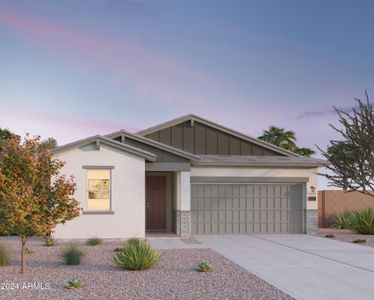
column 142, row 139
column 192, row 118
column 259, row 161
column 98, row 140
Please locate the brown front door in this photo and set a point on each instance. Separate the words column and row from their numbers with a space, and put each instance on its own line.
column 156, row 203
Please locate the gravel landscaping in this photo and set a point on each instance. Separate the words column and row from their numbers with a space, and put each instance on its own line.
column 346, row 235
column 173, row 278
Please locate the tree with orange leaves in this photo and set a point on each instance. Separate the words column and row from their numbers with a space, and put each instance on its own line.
column 34, row 196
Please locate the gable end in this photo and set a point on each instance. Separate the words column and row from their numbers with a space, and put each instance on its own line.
column 201, row 139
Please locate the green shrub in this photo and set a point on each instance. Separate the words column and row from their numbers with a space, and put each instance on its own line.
column 28, row 250
column 94, row 241
column 136, row 255
column 72, row 255
column 49, row 241
column 74, row 283
column 204, row 267
column 343, row 220
column 4, row 255
column 133, row 241
column 363, row 221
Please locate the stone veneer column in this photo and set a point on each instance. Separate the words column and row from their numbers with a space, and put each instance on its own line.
column 183, row 216
column 311, row 221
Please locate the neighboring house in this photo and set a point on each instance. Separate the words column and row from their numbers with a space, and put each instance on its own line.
column 188, row 176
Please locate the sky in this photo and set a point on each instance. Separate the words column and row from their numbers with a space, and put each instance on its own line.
column 72, row 69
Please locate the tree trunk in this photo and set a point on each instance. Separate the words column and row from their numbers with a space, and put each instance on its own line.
column 23, row 240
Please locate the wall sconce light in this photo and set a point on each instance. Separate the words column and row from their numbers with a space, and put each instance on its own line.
column 313, row 190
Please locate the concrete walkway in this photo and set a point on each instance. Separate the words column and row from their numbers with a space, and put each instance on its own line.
column 305, row 267
column 168, row 243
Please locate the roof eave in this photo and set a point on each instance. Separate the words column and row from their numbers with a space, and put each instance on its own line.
column 129, row 149
column 155, row 144
column 258, row 164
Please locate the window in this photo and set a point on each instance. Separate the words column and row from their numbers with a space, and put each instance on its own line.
column 98, row 190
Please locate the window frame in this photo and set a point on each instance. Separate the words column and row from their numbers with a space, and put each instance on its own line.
column 98, row 212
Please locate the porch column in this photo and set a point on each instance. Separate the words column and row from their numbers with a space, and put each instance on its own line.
column 183, row 217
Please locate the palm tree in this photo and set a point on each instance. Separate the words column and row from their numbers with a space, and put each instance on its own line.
column 285, row 139
column 305, row 151
column 280, row 137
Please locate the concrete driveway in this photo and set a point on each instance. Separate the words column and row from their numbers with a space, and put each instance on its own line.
column 304, row 266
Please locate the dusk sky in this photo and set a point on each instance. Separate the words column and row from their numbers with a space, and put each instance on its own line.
column 71, row 69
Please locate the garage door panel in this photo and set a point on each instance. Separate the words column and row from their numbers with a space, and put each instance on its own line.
column 242, row 228
column 247, row 208
column 257, row 203
column 242, row 203
column 277, row 227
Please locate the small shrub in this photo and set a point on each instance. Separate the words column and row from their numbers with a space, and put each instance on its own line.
column 49, row 241
column 28, row 250
column 4, row 255
column 343, row 220
column 72, row 255
column 136, row 255
column 204, row 267
column 330, row 236
column 359, row 241
column 74, row 283
column 94, row 241
column 363, row 221
column 133, row 241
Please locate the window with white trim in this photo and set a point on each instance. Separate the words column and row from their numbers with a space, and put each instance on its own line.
column 98, row 190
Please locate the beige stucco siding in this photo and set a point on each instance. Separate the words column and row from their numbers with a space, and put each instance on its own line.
column 261, row 172
column 128, row 193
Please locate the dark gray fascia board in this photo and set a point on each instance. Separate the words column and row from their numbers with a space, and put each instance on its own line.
column 204, row 179
column 155, row 166
column 153, row 143
column 97, row 138
column 204, row 121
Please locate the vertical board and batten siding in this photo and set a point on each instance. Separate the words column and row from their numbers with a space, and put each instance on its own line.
column 205, row 140
column 247, row 208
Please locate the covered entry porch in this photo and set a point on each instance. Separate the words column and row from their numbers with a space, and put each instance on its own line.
column 167, row 199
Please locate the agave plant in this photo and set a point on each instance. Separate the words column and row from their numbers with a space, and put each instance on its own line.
column 74, row 283
column 204, row 267
column 343, row 220
column 363, row 221
column 136, row 255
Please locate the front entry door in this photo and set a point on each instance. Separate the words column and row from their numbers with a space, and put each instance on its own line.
column 156, row 203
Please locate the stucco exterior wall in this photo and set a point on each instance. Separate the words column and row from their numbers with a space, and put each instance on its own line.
column 263, row 172
column 333, row 202
column 128, row 194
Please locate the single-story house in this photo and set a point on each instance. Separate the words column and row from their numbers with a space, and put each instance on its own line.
column 188, row 176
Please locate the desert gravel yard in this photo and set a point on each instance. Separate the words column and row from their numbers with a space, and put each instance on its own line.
column 173, row 278
column 346, row 235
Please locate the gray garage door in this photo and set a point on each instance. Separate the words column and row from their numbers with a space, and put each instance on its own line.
column 247, row 208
